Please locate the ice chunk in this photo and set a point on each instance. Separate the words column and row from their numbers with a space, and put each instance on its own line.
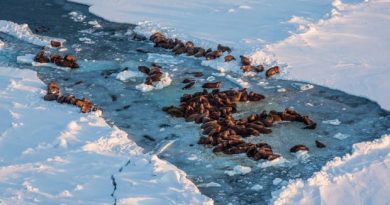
column 332, row 122
column 341, row 136
column 238, row 81
column 256, row 187
column 77, row 16
column 86, row 40
column 211, row 184
column 95, row 24
column 238, row 170
column 303, row 86
column 277, row 181
column 302, row 155
column 128, row 75
column 210, row 78
column 276, row 162
column 164, row 59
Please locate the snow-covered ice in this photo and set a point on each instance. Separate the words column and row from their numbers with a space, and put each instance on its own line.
column 23, row 32
column 56, row 155
column 342, row 52
column 362, row 177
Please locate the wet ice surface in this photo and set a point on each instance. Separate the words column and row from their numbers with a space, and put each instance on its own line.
column 109, row 48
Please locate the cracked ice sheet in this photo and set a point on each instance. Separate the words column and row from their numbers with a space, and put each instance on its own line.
column 52, row 154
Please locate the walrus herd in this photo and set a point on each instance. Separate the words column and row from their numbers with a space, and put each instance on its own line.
column 154, row 73
column 179, row 47
column 214, row 111
column 66, row 61
column 53, row 93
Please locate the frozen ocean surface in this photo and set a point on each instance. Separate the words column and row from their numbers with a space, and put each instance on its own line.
column 103, row 51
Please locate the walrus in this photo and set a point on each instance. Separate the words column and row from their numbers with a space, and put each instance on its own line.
column 55, row 44
column 138, row 37
column 224, row 48
column 310, row 124
column 201, row 53
column 197, row 74
column 258, row 68
column 50, row 97
column 299, row 147
column 41, row 58
column 212, row 85
column 188, row 80
column 246, row 68
column 192, row 51
column 245, row 61
column 156, row 35
column 189, row 85
column 272, row 71
column 189, row 44
column 54, row 58
column 70, row 58
column 213, row 55
column 148, row 81
column 229, row 58
column 320, row 144
column 144, row 69
column 53, row 88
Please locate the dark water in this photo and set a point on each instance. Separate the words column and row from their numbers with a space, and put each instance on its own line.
column 140, row 113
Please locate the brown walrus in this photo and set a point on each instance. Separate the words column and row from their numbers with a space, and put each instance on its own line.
column 272, row 71
column 229, row 58
column 320, row 144
column 299, row 147
column 41, row 58
column 245, row 60
column 212, row 85
column 55, row 44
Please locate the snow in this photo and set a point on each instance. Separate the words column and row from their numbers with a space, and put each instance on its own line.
column 362, row 177
column 342, row 52
column 23, row 32
column 56, row 155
